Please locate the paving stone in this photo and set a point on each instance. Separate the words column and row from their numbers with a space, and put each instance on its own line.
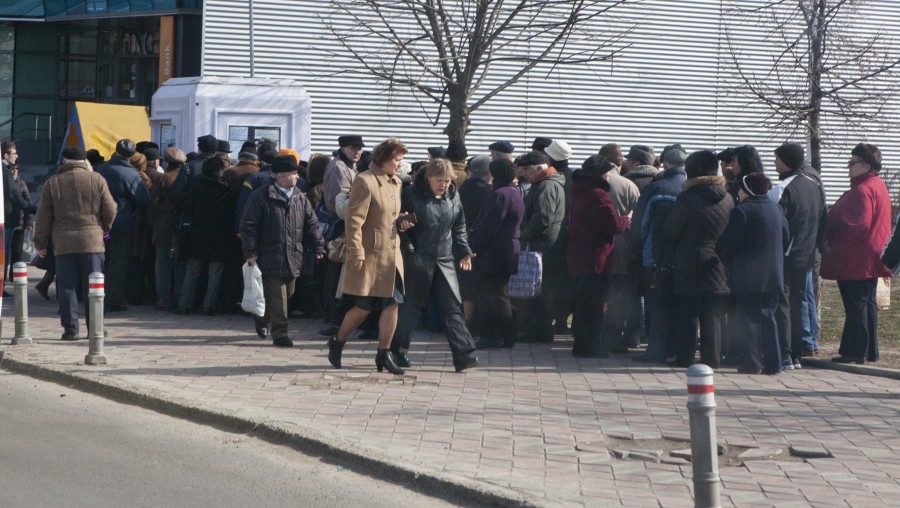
column 809, row 452
column 760, row 453
column 681, row 454
column 649, row 457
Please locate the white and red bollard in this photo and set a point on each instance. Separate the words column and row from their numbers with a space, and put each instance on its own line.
column 704, row 446
column 96, row 294
column 20, row 296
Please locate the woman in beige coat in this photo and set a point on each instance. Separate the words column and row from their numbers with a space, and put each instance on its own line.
column 373, row 268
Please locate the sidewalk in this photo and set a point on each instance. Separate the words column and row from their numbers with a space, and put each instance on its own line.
column 531, row 426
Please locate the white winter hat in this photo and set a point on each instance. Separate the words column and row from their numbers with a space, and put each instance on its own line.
column 558, row 151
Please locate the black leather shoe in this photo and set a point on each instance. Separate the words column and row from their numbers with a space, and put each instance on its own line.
column 466, row 362
column 69, row 336
column 328, row 330
column 401, row 359
column 262, row 329
column 335, row 348
column 283, row 342
column 385, row 360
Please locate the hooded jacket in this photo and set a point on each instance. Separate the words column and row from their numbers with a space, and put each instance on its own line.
column 593, row 225
column 650, row 214
column 802, row 200
column 694, row 225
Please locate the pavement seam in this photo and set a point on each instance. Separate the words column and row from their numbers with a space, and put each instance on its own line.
column 304, row 440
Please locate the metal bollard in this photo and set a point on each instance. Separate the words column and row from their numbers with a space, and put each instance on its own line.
column 704, row 448
column 95, row 354
column 20, row 295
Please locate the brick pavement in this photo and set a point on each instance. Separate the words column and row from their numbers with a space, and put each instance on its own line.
column 515, row 422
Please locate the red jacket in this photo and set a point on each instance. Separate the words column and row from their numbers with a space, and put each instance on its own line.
column 593, row 225
column 857, row 228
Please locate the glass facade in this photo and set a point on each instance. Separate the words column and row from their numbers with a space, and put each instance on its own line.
column 53, row 8
column 7, row 60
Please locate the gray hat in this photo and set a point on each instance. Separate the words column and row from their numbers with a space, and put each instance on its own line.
column 479, row 166
column 125, row 148
column 643, row 154
column 674, row 155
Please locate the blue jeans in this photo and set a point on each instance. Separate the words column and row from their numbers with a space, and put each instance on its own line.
column 192, row 274
column 72, row 272
column 810, row 335
column 164, row 276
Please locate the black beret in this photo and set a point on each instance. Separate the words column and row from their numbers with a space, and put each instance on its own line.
column 597, row 165
column 351, row 140
column 125, row 147
column 151, row 153
column 532, row 159
column 74, row 153
column 502, row 147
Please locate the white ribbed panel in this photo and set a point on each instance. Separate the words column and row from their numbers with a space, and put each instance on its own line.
column 670, row 85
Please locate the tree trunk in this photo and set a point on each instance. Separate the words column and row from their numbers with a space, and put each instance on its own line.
column 457, row 127
column 814, row 119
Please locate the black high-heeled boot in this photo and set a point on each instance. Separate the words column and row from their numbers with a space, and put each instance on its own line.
column 385, row 360
column 335, row 347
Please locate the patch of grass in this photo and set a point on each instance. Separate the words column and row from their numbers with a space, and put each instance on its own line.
column 832, row 324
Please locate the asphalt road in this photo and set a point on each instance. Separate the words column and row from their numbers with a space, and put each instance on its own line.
column 64, row 448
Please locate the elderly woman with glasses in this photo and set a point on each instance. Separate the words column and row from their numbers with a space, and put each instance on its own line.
column 857, row 228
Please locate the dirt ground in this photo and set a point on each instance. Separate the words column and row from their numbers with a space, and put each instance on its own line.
column 832, row 324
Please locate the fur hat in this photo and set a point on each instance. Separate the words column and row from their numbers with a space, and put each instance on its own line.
column 755, row 184
column 613, row 152
column 437, row 152
column 869, row 153
column 284, row 164
column 701, row 163
column 479, row 166
column 642, row 154
column 142, row 146
column 249, row 156
column 502, row 147
column 791, row 154
column 351, row 140
column 207, row 144
column 74, row 153
column 125, row 148
column 558, row 150
column 152, row 154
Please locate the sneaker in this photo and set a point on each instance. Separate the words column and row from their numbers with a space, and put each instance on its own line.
column 787, row 365
column 797, row 364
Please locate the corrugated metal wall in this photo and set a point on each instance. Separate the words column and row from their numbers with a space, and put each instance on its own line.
column 669, row 85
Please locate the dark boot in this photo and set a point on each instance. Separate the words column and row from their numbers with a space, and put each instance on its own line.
column 335, row 348
column 385, row 360
column 401, row 358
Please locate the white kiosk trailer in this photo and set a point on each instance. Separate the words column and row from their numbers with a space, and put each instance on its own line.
column 233, row 109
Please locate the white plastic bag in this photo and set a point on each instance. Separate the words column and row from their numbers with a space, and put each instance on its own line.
column 254, row 301
column 27, row 246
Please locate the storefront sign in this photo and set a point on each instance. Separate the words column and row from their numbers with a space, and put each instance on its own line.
column 166, row 48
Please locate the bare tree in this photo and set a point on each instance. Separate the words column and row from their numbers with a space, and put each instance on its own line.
column 459, row 54
column 828, row 72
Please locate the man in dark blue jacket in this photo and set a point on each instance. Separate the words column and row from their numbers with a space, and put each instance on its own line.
column 650, row 214
column 126, row 188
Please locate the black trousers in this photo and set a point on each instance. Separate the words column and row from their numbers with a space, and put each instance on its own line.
column 450, row 312
column 860, row 336
column 540, row 312
column 589, row 291
column 708, row 311
column 754, row 321
column 622, row 323
column 493, row 309
column 790, row 312
column 118, row 259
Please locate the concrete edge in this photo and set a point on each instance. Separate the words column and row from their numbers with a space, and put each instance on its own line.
column 366, row 461
column 865, row 370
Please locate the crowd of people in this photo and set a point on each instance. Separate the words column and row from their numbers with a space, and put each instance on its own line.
column 683, row 252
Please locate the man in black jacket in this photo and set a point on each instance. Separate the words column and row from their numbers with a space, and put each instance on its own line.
column 802, row 199
column 277, row 221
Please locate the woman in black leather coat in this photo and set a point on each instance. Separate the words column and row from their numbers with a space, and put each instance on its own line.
column 437, row 232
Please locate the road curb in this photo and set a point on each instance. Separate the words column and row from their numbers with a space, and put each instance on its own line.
column 865, row 370
column 359, row 458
